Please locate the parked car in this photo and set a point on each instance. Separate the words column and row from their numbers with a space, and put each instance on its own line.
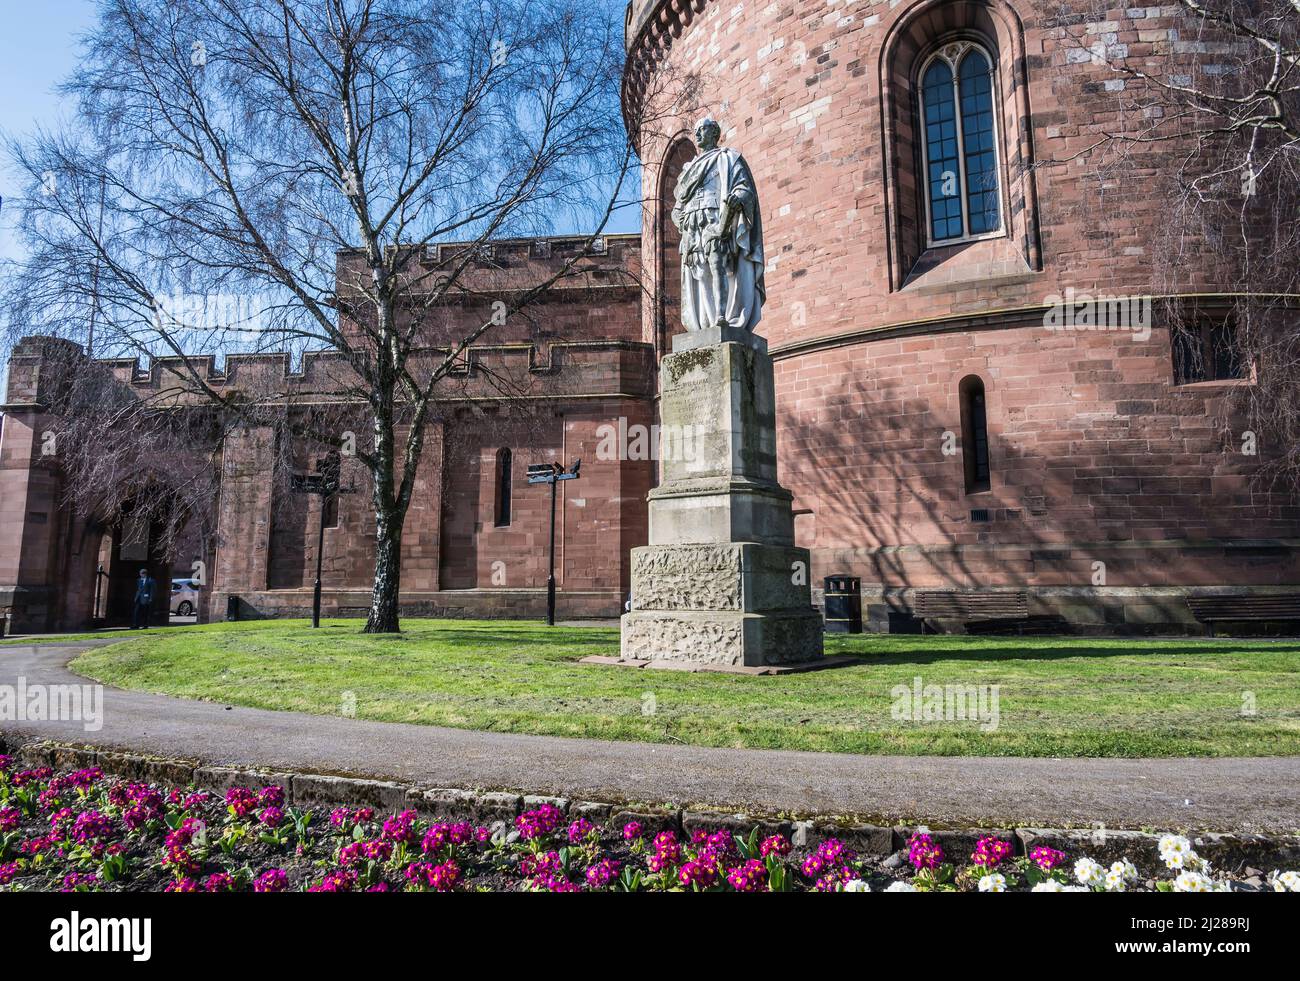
column 185, row 597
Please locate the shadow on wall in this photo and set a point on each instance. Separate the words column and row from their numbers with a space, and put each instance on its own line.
column 1104, row 506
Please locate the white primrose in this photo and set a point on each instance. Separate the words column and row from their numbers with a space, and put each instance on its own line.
column 1177, row 852
column 1284, row 881
column 1125, row 869
column 1193, row 882
column 1089, row 873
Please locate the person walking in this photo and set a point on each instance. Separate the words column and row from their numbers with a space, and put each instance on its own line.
column 143, row 600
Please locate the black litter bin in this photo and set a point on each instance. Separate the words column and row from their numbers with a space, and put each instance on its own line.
column 843, row 604
column 232, row 607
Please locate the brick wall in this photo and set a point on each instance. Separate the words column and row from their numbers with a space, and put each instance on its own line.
column 541, row 384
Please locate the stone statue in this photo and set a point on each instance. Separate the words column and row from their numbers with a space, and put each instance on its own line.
column 721, row 582
column 716, row 210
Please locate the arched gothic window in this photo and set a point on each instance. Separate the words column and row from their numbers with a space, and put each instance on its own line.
column 962, row 189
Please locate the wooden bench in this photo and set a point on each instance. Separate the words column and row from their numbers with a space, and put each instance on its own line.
column 1210, row 610
column 1000, row 607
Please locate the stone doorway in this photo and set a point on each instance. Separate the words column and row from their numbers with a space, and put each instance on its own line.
column 133, row 545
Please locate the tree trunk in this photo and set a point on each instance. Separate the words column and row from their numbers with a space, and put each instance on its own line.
column 390, row 515
column 384, row 610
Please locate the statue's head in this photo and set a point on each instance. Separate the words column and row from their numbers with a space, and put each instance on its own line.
column 707, row 133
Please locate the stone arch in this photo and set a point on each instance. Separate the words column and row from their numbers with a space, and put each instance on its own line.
column 915, row 34
column 668, row 264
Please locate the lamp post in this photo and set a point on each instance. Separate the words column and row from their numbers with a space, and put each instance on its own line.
column 324, row 484
column 552, row 473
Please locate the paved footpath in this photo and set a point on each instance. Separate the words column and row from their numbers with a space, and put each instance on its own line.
column 1199, row 794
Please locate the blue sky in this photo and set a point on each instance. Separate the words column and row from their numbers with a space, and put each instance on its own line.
column 38, row 48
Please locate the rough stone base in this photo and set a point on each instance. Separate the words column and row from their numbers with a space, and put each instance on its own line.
column 725, row 638
column 721, row 582
column 734, row 577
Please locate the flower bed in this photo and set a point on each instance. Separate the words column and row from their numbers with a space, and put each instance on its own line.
column 81, row 831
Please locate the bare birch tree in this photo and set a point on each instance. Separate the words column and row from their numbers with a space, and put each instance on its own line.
column 1214, row 101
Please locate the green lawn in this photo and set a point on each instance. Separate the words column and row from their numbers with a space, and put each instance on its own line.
column 1058, row 697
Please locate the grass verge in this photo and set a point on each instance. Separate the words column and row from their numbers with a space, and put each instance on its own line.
column 1057, row 696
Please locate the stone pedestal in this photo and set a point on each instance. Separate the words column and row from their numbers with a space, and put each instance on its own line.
column 721, row 581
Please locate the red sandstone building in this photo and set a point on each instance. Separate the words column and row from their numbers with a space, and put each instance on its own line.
column 937, row 434
column 476, row 537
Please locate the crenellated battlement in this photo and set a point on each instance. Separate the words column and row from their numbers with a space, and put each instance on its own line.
column 504, row 266
column 582, row 336
column 597, row 367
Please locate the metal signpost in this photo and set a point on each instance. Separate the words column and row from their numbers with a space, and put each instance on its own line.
column 324, row 484
column 552, row 473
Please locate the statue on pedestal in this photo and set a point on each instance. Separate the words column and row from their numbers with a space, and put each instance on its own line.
column 721, row 584
column 716, row 210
